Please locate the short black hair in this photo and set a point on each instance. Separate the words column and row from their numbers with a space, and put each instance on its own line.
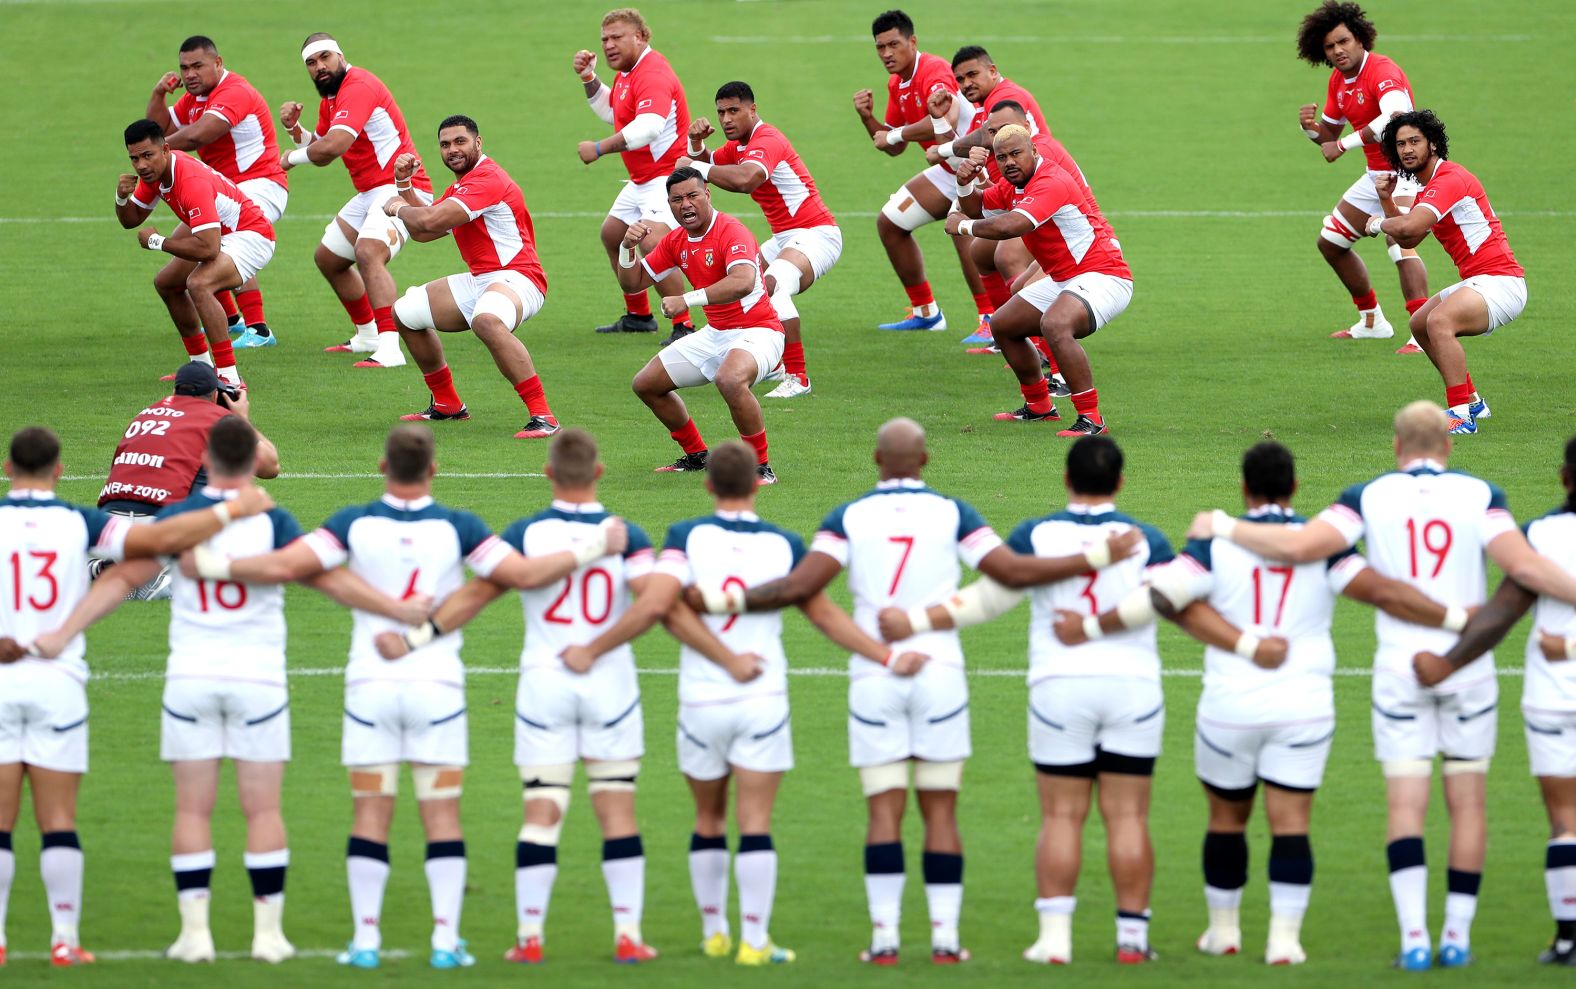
column 1094, row 466
column 232, row 446
column 34, row 451
column 1268, row 471
column 1424, row 120
column 969, row 53
column 1330, row 15
column 1569, row 471
column 892, row 20
column 144, row 130
column 735, row 90
column 409, row 453
column 684, row 175
column 199, row 42
column 459, row 120
column 1010, row 105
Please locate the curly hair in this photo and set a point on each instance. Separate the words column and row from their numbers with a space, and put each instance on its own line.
column 1330, row 15
column 1424, row 120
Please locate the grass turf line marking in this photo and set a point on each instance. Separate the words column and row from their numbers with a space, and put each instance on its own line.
column 332, row 477
column 139, row 955
column 1101, row 39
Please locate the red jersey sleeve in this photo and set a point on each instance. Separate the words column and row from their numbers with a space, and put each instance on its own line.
column 768, row 152
column 1046, row 193
column 352, row 107
column 737, row 245
column 1443, row 191
column 998, row 196
column 660, row 262
column 322, row 118
column 934, row 74
column 894, row 115
column 181, row 108
column 221, row 102
column 477, row 192
column 1332, row 108
column 726, row 154
column 197, row 204
column 145, row 195
column 653, row 92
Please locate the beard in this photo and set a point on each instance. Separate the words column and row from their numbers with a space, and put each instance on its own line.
column 330, row 86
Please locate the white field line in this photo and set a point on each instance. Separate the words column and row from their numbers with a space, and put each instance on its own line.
column 669, row 671
column 327, row 477
column 224, row 956
column 1142, row 214
column 1103, row 39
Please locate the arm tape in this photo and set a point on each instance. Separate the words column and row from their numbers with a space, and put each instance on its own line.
column 593, row 548
column 642, row 131
column 1137, row 609
column 980, row 602
column 1174, row 585
column 418, row 637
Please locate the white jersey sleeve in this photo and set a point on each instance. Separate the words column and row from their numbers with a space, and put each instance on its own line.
column 1550, row 688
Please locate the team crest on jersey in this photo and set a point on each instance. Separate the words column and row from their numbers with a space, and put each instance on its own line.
column 623, row 91
column 709, row 257
column 1359, row 98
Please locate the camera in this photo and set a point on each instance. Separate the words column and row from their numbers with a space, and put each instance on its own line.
column 228, row 393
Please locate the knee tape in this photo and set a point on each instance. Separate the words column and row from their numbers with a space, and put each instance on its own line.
column 382, row 227
column 905, row 212
column 549, row 783
column 1408, row 769
column 1458, row 767
column 438, row 782
column 500, row 307
column 787, row 275
column 782, row 302
column 1398, row 253
column 1338, row 232
column 414, row 309
column 614, row 776
column 938, row 775
column 334, row 239
column 374, row 781
column 880, row 779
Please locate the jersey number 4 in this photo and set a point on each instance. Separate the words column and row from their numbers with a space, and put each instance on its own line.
column 45, row 574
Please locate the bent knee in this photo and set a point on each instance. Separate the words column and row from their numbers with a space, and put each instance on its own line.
column 369, row 251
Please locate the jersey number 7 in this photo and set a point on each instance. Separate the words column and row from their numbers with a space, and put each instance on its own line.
column 1285, row 574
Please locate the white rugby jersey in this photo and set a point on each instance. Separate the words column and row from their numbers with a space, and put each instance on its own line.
column 44, row 547
column 901, row 545
column 1551, row 687
column 404, row 548
column 1270, row 597
column 1426, row 526
column 580, row 607
column 226, row 629
column 732, row 550
column 1129, row 653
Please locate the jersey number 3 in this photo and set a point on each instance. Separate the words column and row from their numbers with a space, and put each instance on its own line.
column 45, row 575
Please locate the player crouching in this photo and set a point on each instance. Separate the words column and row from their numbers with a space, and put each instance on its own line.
column 503, row 287
column 742, row 340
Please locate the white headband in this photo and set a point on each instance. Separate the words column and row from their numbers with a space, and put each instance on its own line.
column 319, row 47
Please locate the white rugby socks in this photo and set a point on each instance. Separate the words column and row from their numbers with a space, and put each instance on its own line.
column 708, row 864
column 367, row 867
column 624, row 870
column 756, row 871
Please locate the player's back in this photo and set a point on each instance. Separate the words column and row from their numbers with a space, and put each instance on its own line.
column 44, row 544
column 227, row 628
column 1551, row 686
column 577, row 609
column 1127, row 653
column 902, row 545
column 404, row 548
column 733, row 550
column 1427, row 526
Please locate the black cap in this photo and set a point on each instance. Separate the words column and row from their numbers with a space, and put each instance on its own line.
column 196, row 378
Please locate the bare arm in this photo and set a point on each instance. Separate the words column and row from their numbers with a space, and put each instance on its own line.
column 1004, row 226
column 805, row 581
column 187, row 245
column 685, row 625
column 1529, row 568
column 527, row 573
column 105, row 596
column 323, row 150
column 428, row 223
column 350, row 590
column 466, row 603
column 1491, row 623
column 158, row 109
column 130, row 213
column 1396, row 598
column 294, row 562
column 170, row 536
column 745, row 178
column 1013, row 569
column 654, row 597
column 207, row 129
column 1318, row 540
column 1408, row 230
column 837, row 626
column 739, row 282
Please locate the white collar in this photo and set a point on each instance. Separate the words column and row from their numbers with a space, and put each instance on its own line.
column 1271, row 509
column 224, row 494
column 1103, row 508
column 30, row 494
column 1428, row 462
column 414, row 505
column 738, row 516
column 758, row 123
column 642, row 58
column 899, row 482
column 578, row 507
column 175, row 156
column 1354, row 75
column 696, row 240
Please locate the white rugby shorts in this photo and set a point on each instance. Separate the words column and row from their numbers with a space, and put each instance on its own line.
column 1074, row 719
column 1505, row 296
column 1411, row 721
column 892, row 718
column 393, row 721
column 250, row 251
column 207, row 718
column 467, row 290
column 355, row 212
column 1290, row 754
column 1105, row 296
column 562, row 717
column 643, row 201
column 945, row 182
column 696, row 358
column 822, row 245
column 1551, row 741
column 1365, row 197
column 43, row 717
column 749, row 733
column 270, row 197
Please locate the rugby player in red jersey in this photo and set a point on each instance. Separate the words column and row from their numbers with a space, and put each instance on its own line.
column 1453, row 206
column 913, row 76
column 1087, row 282
column 502, row 287
column 357, row 122
column 226, row 122
column 647, row 108
column 1365, row 89
column 759, row 160
column 742, row 340
column 222, row 240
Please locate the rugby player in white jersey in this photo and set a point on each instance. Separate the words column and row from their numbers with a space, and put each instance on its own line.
column 1096, row 712
column 407, row 711
column 1430, row 528
column 45, row 544
column 568, row 711
column 902, row 544
column 225, row 695
column 1548, row 698
column 1267, row 711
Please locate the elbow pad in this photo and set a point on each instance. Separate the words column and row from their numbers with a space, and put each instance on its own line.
column 980, row 602
column 642, row 130
column 602, row 103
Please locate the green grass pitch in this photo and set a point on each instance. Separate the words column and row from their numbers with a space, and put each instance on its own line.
column 1182, row 116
